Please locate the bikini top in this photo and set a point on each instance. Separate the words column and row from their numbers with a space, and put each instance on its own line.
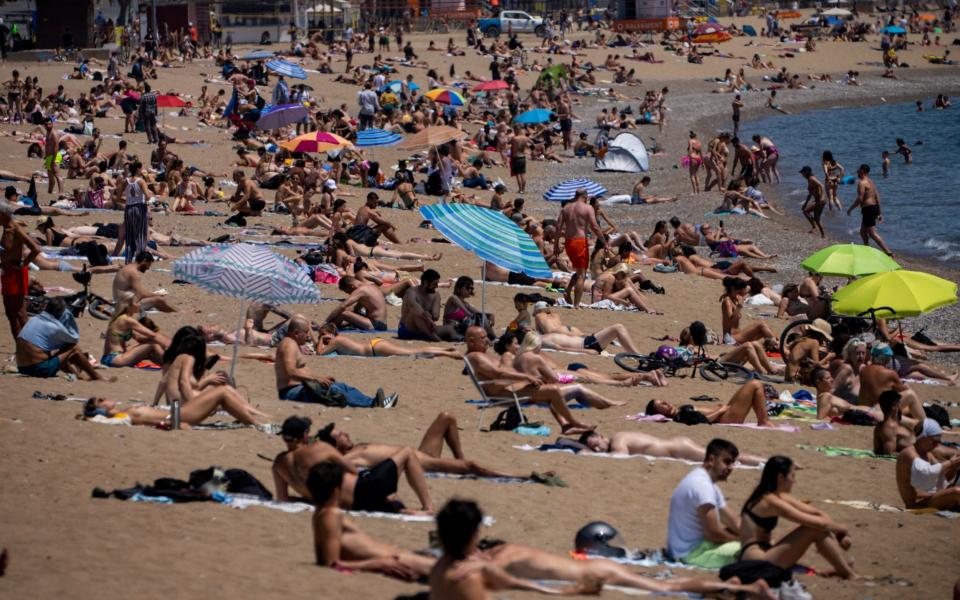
column 767, row 524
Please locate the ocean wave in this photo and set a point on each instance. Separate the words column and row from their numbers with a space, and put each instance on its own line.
column 941, row 245
column 948, row 256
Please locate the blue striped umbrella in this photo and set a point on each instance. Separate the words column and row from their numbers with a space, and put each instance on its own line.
column 490, row 235
column 397, row 86
column 287, row 69
column 248, row 272
column 568, row 189
column 257, row 55
column 532, row 117
column 377, row 137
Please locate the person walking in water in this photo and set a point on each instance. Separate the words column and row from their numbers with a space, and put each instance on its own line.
column 737, row 105
column 815, row 202
column 868, row 199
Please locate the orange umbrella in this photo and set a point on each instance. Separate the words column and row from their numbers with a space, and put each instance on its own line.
column 432, row 136
column 928, row 17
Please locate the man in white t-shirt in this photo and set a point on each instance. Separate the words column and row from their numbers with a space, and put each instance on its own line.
column 702, row 531
column 923, row 484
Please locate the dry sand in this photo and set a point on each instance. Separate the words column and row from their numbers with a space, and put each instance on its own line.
column 65, row 544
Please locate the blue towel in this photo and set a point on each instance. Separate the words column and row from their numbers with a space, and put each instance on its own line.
column 540, row 430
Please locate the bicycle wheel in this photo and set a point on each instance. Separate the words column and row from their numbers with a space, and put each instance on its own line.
column 635, row 363
column 100, row 309
column 786, row 333
column 732, row 372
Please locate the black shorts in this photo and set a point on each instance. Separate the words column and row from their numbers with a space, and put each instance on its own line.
column 108, row 230
column 566, row 125
column 869, row 215
column 518, row 165
column 374, row 486
column 590, row 343
column 378, row 325
column 520, row 279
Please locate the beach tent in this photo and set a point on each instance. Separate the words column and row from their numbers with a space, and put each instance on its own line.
column 625, row 153
column 749, row 30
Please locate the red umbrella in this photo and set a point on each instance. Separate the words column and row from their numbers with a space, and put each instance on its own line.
column 164, row 101
column 489, row 86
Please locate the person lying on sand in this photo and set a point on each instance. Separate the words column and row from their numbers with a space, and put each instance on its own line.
column 373, row 490
column 191, row 413
column 749, row 397
column 635, row 442
column 332, row 343
column 557, row 336
column 443, row 431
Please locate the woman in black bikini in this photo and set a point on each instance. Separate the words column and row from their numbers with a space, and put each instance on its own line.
column 770, row 501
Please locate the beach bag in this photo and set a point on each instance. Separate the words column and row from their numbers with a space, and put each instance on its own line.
column 748, row 571
column 507, row 420
column 688, row 415
column 320, row 393
column 938, row 414
column 95, row 253
column 363, row 234
column 727, row 249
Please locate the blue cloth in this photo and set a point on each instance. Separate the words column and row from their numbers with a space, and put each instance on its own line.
column 47, row 368
column 49, row 334
column 476, row 182
column 355, row 398
column 405, row 334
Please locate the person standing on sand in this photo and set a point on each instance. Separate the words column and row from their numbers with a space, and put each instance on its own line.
column 813, row 211
column 51, row 146
column 737, row 105
column 518, row 157
column 868, row 199
column 574, row 221
column 15, row 279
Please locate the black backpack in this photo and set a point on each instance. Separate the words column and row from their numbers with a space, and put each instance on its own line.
column 938, row 414
column 509, row 419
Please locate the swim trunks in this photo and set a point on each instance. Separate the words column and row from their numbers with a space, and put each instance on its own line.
column 518, row 165
column 378, row 325
column 566, row 124
column 590, row 343
column 578, row 252
column 869, row 215
column 520, row 279
column 47, row 368
column 48, row 161
column 15, row 281
column 374, row 486
column 107, row 359
column 405, row 334
column 712, row 556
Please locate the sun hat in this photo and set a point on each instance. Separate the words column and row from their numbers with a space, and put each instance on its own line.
column 823, row 328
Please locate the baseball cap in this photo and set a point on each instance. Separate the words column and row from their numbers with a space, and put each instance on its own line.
column 330, row 184
column 295, row 427
column 930, row 429
column 881, row 349
column 540, row 306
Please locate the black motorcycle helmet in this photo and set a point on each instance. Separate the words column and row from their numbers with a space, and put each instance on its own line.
column 600, row 538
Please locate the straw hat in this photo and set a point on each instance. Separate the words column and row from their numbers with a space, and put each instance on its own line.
column 823, row 328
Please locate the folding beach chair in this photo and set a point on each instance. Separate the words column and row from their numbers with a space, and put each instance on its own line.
column 493, row 401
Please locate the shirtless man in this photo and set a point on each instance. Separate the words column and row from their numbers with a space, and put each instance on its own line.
column 889, row 435
column 502, row 380
column 39, row 354
column 565, row 117
column 51, row 145
column 868, row 199
column 576, row 218
column 443, row 431
column 364, row 307
column 876, row 378
column 923, row 484
column 421, row 309
column 368, row 212
column 637, row 196
column 519, row 146
column 807, row 348
column 685, row 233
column 635, row 442
column 743, row 157
column 248, row 199
column 372, row 490
column 556, row 335
column 749, row 397
column 128, row 285
column 815, row 192
column 17, row 251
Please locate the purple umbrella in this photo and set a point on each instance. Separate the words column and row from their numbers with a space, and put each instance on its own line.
column 275, row 117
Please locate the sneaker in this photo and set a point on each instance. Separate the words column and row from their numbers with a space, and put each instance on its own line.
column 393, row 299
column 391, row 400
column 379, row 398
column 793, row 590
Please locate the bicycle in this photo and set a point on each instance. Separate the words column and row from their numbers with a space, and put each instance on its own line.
column 78, row 303
column 709, row 368
column 841, row 325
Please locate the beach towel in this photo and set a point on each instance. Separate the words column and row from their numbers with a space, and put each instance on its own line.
column 243, row 501
column 601, row 305
column 851, row 452
column 649, row 458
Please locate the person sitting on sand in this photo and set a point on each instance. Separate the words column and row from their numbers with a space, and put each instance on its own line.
column 771, row 501
column 421, row 310
column 634, row 442
column 364, row 308
column 702, row 531
column 123, row 328
column 749, row 397
column 925, row 485
column 297, row 383
column 127, row 285
column 731, row 305
column 753, row 354
column 876, row 378
column 443, row 431
column 373, row 490
column 829, row 404
column 557, row 336
column 47, row 344
column 889, row 435
column 502, row 380
column 334, row 343
column 808, row 350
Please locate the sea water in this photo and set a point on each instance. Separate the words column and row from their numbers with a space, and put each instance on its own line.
column 920, row 201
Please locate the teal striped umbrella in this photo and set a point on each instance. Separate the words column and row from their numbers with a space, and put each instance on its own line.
column 490, row 235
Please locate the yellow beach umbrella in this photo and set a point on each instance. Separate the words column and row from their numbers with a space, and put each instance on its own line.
column 905, row 293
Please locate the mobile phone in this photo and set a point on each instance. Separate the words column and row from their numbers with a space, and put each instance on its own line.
column 721, row 223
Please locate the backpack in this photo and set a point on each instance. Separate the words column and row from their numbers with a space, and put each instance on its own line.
column 507, row 420
column 938, row 414
column 748, row 571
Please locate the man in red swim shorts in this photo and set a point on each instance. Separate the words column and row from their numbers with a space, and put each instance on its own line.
column 16, row 273
column 576, row 218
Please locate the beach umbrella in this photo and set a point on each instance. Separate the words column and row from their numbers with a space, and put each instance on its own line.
column 287, row 69
column 568, row 189
column 708, row 29
column 316, row 141
column 275, row 117
column 257, row 55
column 432, row 136
column 555, row 73
column 445, row 96
column 397, row 86
column 893, row 29
column 489, row 86
column 377, row 137
column 849, row 260
column 248, row 272
column 533, row 117
column 908, row 293
column 491, row 236
column 170, row 101
column 837, row 12
column 928, row 17
column 712, row 38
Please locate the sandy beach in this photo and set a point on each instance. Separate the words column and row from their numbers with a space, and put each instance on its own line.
column 65, row 544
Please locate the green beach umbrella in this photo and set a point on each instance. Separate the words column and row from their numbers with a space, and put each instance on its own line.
column 908, row 293
column 849, row 260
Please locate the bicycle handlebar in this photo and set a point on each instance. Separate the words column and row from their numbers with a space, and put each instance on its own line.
column 873, row 311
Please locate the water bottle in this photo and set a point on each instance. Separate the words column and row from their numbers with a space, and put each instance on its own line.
column 175, row 415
